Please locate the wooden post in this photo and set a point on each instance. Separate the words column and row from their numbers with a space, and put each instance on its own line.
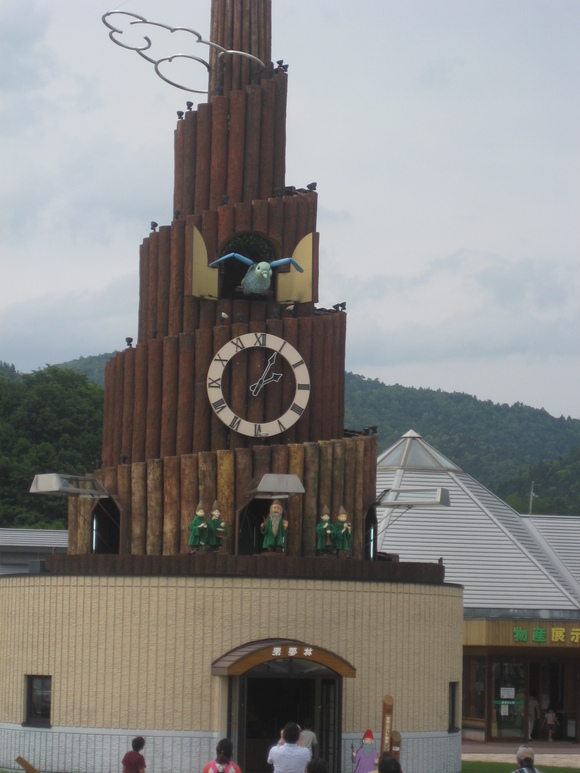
column 288, row 381
column 140, row 404
column 189, row 151
column 176, row 277
column 186, row 391
column 179, row 145
column 325, row 475
column 243, row 473
column 387, row 724
column 154, row 391
column 124, row 491
column 252, row 143
column 163, row 280
column 128, row 402
column 358, row 514
column 202, row 411
column 305, row 349
column 295, row 504
column 225, row 494
column 266, row 187
column 138, row 508
column 143, row 333
column 202, row 157
column 189, row 497
column 171, row 505
column 169, row 395
column 152, row 289
column 219, row 151
column 107, row 441
column 337, row 476
column 281, row 92
column 154, row 507
column 219, row 431
column 207, row 471
column 310, row 513
column 118, row 378
column 236, row 146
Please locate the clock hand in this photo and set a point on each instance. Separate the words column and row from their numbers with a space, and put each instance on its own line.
column 255, row 388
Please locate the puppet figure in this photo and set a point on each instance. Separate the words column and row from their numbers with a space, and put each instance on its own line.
column 274, row 529
column 215, row 530
column 196, row 529
column 259, row 275
column 342, row 532
column 324, row 533
column 366, row 756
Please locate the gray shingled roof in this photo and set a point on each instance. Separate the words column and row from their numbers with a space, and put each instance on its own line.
column 500, row 557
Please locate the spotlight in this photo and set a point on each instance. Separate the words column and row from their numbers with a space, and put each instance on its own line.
column 340, row 306
column 189, row 105
column 180, row 114
column 311, row 186
column 124, row 458
column 176, row 214
column 129, row 342
column 225, row 198
column 154, row 334
column 279, row 62
column 154, row 225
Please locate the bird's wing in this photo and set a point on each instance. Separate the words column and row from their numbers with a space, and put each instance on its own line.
column 284, row 261
column 237, row 255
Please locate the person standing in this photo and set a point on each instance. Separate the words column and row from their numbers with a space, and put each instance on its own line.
column 533, row 714
column 550, row 721
column 223, row 761
column 525, row 758
column 287, row 756
column 308, row 737
column 133, row 761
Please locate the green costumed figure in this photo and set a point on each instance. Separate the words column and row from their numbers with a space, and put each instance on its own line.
column 215, row 530
column 342, row 532
column 196, row 528
column 274, row 529
column 324, row 533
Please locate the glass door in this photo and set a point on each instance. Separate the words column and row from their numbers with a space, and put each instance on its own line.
column 508, row 700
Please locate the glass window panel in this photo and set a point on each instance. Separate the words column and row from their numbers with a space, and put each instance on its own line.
column 393, row 459
column 419, row 457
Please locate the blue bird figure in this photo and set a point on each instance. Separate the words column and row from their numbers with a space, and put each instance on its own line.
column 258, row 277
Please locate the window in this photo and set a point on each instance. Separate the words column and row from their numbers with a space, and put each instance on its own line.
column 453, row 695
column 38, row 698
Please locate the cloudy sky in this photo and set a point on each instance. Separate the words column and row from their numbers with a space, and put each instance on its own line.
column 445, row 139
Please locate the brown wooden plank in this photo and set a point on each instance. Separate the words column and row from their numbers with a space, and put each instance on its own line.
column 154, row 396
column 325, row 475
column 154, row 507
column 206, row 313
column 128, row 402
column 207, row 471
column 202, row 411
column 226, row 225
column 153, row 279
column 179, row 148
column 140, row 404
column 189, row 152
column 226, row 493
column 202, row 158
column 329, row 376
column 295, row 504
column 281, row 91
column 236, row 146
column 338, row 466
column 228, row 41
column 189, row 496
column 349, row 475
column 138, row 508
column 143, row 333
column 341, row 375
column 163, row 279
column 261, row 460
column 290, row 222
column 219, row 151
column 171, row 505
column 124, row 492
column 310, row 512
column 245, row 74
column 186, row 391
column 209, row 228
column 260, row 217
column 252, row 144
column 276, row 222
column 243, row 217
column 266, row 186
column 237, row 44
column 170, row 383
column 176, row 277
column 243, row 461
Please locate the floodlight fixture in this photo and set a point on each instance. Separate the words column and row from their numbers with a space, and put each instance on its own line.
column 57, row 485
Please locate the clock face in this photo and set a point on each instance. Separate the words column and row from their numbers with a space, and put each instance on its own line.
column 277, row 350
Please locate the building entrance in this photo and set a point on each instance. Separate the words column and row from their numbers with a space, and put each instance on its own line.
column 267, row 696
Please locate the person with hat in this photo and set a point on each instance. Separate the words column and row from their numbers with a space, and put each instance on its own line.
column 525, row 757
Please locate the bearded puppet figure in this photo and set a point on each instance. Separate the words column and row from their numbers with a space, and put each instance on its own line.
column 215, row 530
column 342, row 532
column 274, row 529
column 367, row 756
column 196, row 529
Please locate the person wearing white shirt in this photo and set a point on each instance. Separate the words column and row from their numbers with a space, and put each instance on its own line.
column 287, row 756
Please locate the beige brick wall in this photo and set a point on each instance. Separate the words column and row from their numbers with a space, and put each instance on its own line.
column 136, row 652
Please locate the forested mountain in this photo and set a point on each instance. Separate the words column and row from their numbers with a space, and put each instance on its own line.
column 51, row 421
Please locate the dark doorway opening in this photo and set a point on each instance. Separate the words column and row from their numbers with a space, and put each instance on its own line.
column 105, row 527
column 273, row 693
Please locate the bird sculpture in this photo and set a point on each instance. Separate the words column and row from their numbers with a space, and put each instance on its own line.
column 258, row 276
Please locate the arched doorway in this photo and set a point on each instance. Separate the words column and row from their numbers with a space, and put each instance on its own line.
column 276, row 681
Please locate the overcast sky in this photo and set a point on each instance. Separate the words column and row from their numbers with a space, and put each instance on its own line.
column 445, row 140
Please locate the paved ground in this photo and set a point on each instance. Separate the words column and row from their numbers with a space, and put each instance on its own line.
column 560, row 753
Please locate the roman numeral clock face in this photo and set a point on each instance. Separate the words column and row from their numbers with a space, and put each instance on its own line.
column 277, row 350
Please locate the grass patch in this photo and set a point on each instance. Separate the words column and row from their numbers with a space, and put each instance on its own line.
column 507, row 767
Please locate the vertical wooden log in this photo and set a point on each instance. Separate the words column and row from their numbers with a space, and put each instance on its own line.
column 203, row 411
column 338, row 461
column 243, row 473
column 276, row 222
column 163, row 279
column 260, row 217
column 310, row 513
column 289, row 380
column 317, row 396
column 108, row 415
column 237, row 44
column 179, row 147
column 216, row 26
column 153, row 278
column 329, row 377
column 312, row 199
column 315, row 243
column 72, row 525
column 238, row 386
column 189, row 152
column 281, row 90
column 85, row 532
column 118, row 376
column 261, row 456
column 143, row 333
column 274, row 391
column 228, row 41
column 349, row 476
column 236, row 146
column 254, row 47
column 279, row 459
column 202, row 157
column 302, row 217
column 290, row 220
column 206, row 314
column 207, row 471
column 252, row 143
column 295, row 504
column 169, row 395
column 225, row 495
column 140, row 404
column 243, row 217
column 124, row 491
column 128, row 402
column 358, row 515
column 267, row 140
column 154, row 393
column 189, row 497
column 341, row 378
column 305, row 349
column 325, row 475
column 110, row 480
column 219, row 431
column 154, row 507
column 226, row 221
column 246, row 76
column 209, row 227
column 336, row 380
column 186, row 392
column 267, row 32
column 176, row 277
column 219, row 151
column 171, row 505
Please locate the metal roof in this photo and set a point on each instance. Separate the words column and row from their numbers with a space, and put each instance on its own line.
column 45, row 538
column 502, row 561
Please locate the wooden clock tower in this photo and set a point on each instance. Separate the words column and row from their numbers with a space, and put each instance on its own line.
column 227, row 382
